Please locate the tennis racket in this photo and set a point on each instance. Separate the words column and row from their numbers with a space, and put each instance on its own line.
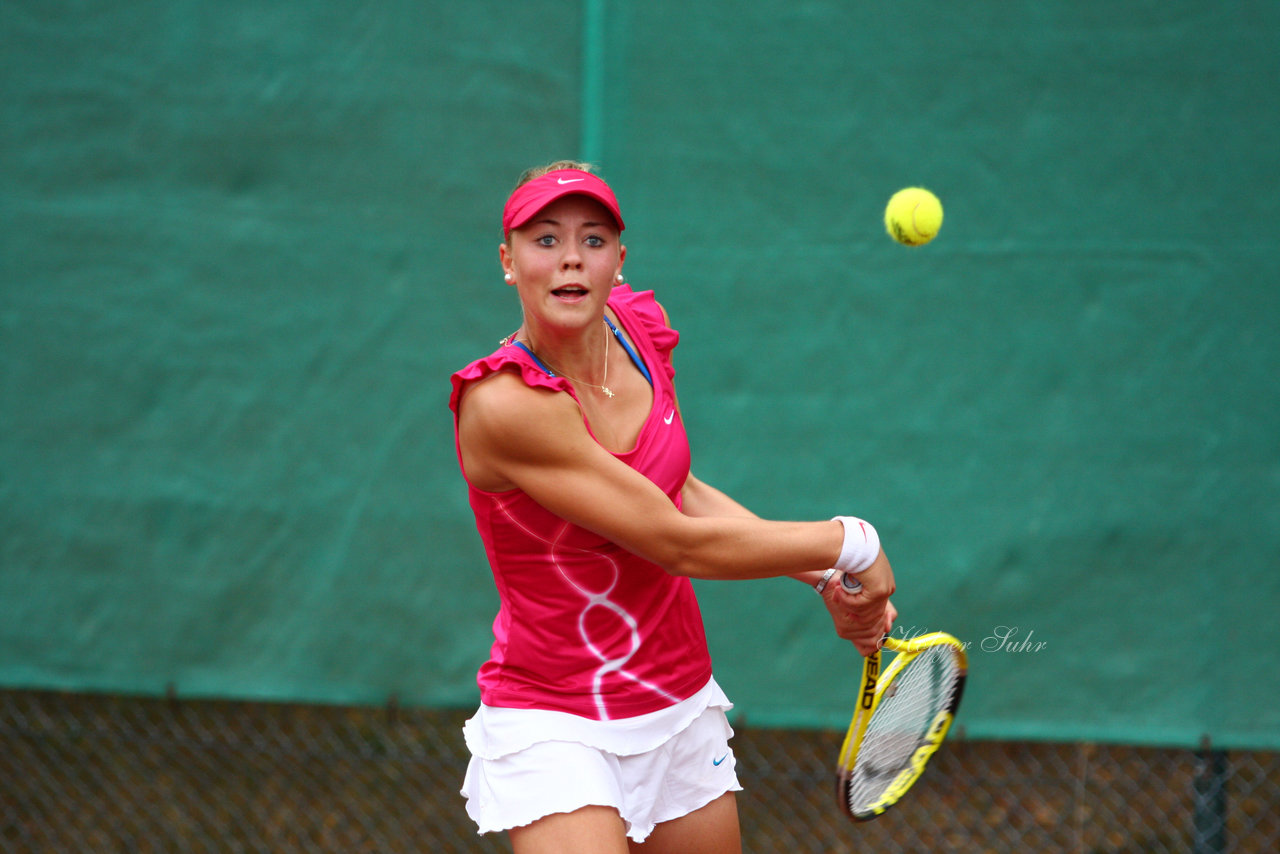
column 902, row 716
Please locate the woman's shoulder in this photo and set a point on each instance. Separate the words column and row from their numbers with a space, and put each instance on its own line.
column 504, row 394
column 501, row 417
column 507, row 361
column 501, row 421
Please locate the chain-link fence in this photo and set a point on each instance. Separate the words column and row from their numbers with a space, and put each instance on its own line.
column 110, row 774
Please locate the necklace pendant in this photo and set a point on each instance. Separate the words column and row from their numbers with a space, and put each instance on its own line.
column 608, row 391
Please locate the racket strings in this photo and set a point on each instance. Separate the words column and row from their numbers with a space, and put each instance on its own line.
column 902, row 722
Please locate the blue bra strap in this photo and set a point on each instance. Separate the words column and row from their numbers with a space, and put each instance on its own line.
column 545, row 369
column 616, row 334
column 630, row 352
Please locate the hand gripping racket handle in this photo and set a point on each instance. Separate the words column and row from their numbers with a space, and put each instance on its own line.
column 850, row 583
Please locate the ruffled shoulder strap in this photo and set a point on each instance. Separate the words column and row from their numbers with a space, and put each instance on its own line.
column 640, row 312
column 506, row 358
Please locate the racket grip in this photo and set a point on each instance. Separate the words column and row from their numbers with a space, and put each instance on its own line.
column 850, row 583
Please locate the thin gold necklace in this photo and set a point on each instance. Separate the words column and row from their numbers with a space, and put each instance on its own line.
column 604, row 387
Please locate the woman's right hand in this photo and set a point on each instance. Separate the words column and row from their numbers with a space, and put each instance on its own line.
column 864, row 617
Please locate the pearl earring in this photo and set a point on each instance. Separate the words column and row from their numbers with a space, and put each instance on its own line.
column 620, row 278
column 509, row 277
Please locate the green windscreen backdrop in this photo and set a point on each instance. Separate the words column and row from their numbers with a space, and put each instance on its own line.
column 243, row 246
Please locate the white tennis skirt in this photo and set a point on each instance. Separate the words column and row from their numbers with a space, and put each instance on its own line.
column 652, row 768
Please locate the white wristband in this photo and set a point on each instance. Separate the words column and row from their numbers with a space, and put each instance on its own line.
column 861, row 545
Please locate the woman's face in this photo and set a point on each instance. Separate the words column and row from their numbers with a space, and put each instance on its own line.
column 564, row 261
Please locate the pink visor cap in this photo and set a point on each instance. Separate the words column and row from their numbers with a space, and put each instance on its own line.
column 533, row 196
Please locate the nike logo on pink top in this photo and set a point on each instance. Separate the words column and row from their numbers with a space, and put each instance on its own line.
column 584, row 626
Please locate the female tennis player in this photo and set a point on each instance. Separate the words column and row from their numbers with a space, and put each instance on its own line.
column 601, row 728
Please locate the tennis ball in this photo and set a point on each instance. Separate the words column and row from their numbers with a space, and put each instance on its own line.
column 913, row 216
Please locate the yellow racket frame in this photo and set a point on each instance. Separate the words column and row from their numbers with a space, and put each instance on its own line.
column 874, row 686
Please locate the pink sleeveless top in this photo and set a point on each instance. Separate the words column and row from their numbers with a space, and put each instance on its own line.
column 584, row 626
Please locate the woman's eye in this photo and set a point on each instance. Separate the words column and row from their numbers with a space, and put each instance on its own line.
column 595, row 240
column 546, row 240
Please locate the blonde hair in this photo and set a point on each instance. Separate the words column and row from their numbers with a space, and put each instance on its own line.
column 538, row 171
